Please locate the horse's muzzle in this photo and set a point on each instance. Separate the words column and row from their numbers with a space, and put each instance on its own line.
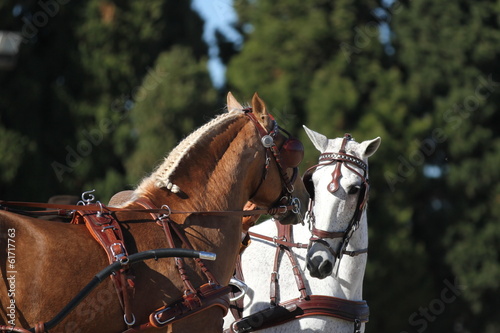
column 319, row 263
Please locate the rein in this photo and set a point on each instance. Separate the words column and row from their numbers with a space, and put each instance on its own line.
column 68, row 210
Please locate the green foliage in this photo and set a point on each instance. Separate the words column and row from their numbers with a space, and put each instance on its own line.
column 10, row 159
column 66, row 107
column 175, row 98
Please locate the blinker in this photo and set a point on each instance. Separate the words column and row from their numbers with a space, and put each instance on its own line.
column 292, row 153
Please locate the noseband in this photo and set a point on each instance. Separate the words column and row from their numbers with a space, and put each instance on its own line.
column 289, row 155
column 349, row 161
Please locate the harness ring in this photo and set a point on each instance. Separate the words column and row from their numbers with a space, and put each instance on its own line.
column 165, row 215
column 127, row 322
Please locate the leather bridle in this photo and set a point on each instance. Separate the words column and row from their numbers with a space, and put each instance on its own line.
column 349, row 161
column 289, row 155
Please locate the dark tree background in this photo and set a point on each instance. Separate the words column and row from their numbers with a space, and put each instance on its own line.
column 102, row 90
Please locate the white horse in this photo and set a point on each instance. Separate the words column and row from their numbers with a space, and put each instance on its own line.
column 332, row 245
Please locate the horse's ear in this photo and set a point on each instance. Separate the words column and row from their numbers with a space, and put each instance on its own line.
column 319, row 140
column 369, row 147
column 232, row 103
column 260, row 111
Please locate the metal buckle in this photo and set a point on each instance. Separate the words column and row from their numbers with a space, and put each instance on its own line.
column 119, row 255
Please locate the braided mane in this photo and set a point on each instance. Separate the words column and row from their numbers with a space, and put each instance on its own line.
column 161, row 176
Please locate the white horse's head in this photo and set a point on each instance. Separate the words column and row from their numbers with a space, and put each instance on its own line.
column 339, row 190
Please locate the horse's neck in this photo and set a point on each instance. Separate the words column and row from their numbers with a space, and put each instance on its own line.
column 225, row 180
column 349, row 282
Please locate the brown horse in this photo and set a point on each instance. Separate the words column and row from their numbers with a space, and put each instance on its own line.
column 219, row 167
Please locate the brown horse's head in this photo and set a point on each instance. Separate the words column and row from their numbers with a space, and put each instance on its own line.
column 280, row 184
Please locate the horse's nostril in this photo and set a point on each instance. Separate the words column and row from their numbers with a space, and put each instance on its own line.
column 313, row 265
column 325, row 268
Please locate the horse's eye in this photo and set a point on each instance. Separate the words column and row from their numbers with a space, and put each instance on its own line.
column 353, row 190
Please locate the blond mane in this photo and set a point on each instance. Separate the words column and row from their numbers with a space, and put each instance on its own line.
column 160, row 178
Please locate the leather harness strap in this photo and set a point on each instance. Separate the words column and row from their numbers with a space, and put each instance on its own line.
column 337, row 173
column 327, row 234
column 194, row 300
column 278, row 240
column 316, row 305
column 267, row 139
column 320, row 305
column 107, row 232
column 306, row 305
column 285, row 234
